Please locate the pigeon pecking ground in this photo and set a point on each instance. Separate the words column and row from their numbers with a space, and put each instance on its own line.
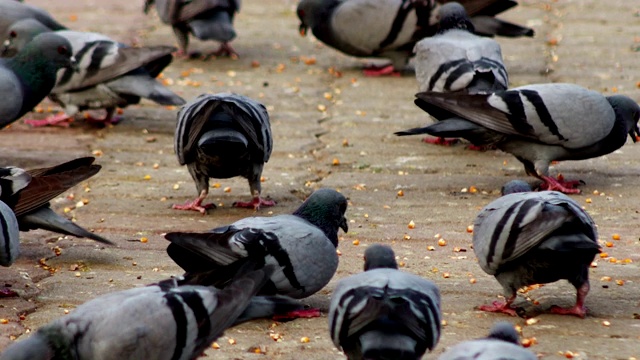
column 582, row 42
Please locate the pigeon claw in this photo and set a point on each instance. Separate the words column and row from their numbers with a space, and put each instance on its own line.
column 225, row 49
column 7, row 292
column 297, row 314
column 195, row 205
column 61, row 119
column 498, row 307
column 576, row 310
column 376, row 71
column 563, row 186
column 440, row 141
column 255, row 204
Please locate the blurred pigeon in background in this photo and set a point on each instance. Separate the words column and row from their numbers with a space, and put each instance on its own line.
column 10, row 247
column 204, row 19
column 502, row 343
column 390, row 28
column 456, row 59
column 12, row 11
column 528, row 238
column 223, row 136
column 302, row 246
column 537, row 124
column 28, row 193
column 151, row 322
column 384, row 313
column 28, row 77
column 109, row 74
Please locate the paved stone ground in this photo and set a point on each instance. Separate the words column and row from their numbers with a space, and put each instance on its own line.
column 589, row 42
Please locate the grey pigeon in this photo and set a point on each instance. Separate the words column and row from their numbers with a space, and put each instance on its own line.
column 384, row 313
column 109, row 74
column 456, row 59
column 528, row 238
column 390, row 28
column 204, row 19
column 28, row 77
column 28, row 193
column 10, row 248
column 302, row 246
column 537, row 124
column 12, row 11
column 501, row 344
column 222, row 136
column 152, row 322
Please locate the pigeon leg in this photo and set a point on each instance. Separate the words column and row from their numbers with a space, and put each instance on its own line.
column 108, row 119
column 195, row 204
column 255, row 204
column 372, row 70
column 500, row 307
column 565, row 187
column 297, row 314
column 225, row 49
column 578, row 309
column 60, row 119
column 440, row 141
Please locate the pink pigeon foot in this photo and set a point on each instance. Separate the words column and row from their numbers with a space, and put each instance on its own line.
column 499, row 307
column 480, row 148
column 298, row 314
column 440, row 141
column 565, row 187
column 375, row 71
column 225, row 49
column 195, row 205
column 576, row 310
column 255, row 204
column 60, row 119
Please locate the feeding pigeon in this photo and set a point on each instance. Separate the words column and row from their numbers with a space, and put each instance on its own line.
column 537, row 124
column 28, row 193
column 28, row 77
column 151, row 322
column 528, row 238
column 204, row 19
column 12, row 11
column 223, row 136
column 456, row 59
column 108, row 75
column 502, row 343
column 384, row 313
column 10, row 249
column 302, row 245
column 390, row 28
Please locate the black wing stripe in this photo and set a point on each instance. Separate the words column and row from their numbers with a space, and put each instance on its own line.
column 177, row 309
column 542, row 111
column 194, row 301
column 516, row 114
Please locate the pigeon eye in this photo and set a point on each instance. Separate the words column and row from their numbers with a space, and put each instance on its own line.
column 13, row 34
column 62, row 50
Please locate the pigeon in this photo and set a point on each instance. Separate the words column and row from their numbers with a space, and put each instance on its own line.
column 527, row 238
column 28, row 77
column 109, row 74
column 10, row 249
column 302, row 246
column 28, row 192
column 151, row 322
column 501, row 344
column 12, row 11
column 384, row 313
column 537, row 124
column 390, row 28
column 204, row 19
column 456, row 59
column 221, row 136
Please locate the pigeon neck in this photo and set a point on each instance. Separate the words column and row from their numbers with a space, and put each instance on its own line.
column 57, row 342
column 315, row 215
column 35, row 73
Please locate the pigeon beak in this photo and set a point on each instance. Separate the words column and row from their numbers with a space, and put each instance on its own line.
column 635, row 134
column 6, row 49
column 74, row 64
column 303, row 29
column 343, row 225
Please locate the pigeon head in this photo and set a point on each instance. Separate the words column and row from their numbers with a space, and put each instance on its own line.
column 311, row 13
column 19, row 34
column 629, row 111
column 515, row 186
column 45, row 53
column 379, row 256
column 325, row 208
column 454, row 16
column 35, row 347
column 504, row 331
